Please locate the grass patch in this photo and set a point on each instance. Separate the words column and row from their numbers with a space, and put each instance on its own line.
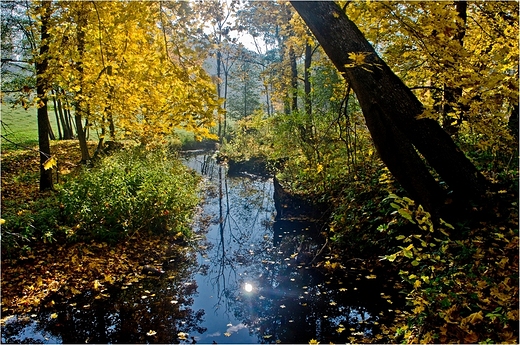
column 20, row 126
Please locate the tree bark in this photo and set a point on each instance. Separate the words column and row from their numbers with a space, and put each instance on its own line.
column 306, row 78
column 452, row 95
column 219, row 62
column 294, row 79
column 41, row 89
column 82, row 23
column 58, row 123
column 390, row 110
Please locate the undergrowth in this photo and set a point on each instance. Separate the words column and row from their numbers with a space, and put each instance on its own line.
column 131, row 192
column 462, row 283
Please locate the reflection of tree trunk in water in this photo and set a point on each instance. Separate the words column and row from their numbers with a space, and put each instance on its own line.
column 221, row 228
column 101, row 326
column 223, row 220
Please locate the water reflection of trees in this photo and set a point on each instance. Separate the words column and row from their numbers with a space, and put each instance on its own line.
column 292, row 300
column 243, row 211
column 161, row 305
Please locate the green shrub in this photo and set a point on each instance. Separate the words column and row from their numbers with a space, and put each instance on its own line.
column 29, row 222
column 128, row 192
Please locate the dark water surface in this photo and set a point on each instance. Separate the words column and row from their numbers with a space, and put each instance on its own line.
column 248, row 278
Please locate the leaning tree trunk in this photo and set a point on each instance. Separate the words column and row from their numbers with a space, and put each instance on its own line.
column 391, row 109
column 43, row 116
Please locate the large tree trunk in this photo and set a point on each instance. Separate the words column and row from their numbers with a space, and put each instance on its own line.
column 391, row 109
column 41, row 86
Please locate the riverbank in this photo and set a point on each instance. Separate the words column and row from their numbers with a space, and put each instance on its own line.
column 44, row 258
column 460, row 279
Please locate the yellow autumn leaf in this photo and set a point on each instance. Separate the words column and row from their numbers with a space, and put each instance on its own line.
column 473, row 318
column 50, row 163
column 97, row 284
column 313, row 341
column 512, row 315
column 54, row 315
column 357, row 58
column 227, row 334
column 109, row 278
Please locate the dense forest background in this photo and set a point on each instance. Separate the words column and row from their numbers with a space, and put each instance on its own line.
column 260, row 83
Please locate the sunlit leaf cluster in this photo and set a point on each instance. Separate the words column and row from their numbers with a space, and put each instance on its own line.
column 462, row 62
column 128, row 69
column 463, row 283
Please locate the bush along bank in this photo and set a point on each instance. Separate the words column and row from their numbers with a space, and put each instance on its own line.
column 100, row 227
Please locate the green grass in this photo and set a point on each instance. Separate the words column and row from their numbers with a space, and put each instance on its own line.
column 21, row 127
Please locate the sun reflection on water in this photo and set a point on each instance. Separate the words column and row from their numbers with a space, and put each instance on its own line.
column 248, row 287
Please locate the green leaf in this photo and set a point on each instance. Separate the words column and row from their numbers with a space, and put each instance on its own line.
column 406, row 214
column 408, row 253
column 394, row 205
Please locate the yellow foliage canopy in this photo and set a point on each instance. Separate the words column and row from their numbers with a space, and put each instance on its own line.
column 134, row 76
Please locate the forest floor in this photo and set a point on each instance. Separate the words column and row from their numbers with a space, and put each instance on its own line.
column 41, row 270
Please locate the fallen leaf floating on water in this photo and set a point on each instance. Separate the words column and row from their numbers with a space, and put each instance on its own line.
column 313, row 341
column 227, row 334
column 97, row 284
column 150, row 333
column 182, row 335
column 54, row 315
column 340, row 329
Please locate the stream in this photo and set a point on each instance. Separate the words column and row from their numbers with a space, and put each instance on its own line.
column 247, row 277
